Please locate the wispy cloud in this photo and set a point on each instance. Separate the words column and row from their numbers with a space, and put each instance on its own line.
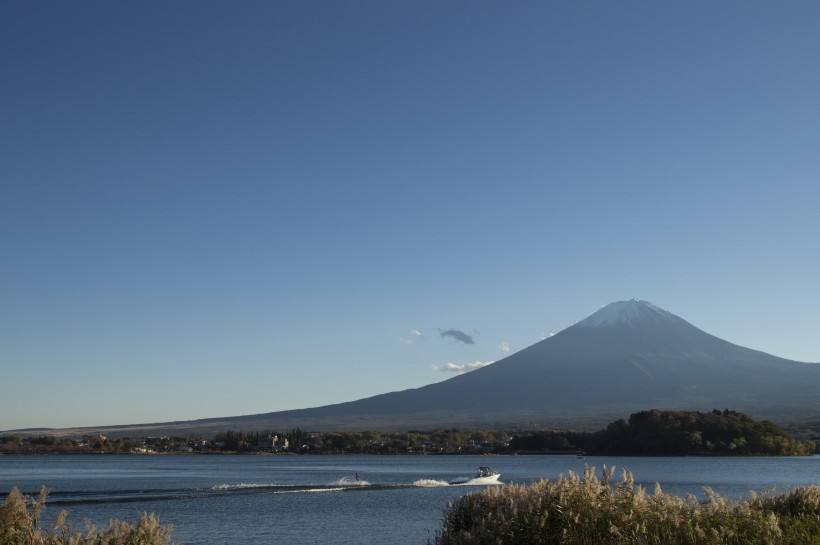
column 457, row 335
column 460, row 369
column 504, row 346
column 415, row 335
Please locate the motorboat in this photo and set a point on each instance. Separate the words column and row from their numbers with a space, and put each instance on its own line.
column 485, row 475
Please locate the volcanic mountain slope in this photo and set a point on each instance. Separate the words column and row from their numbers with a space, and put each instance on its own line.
column 636, row 355
column 628, row 356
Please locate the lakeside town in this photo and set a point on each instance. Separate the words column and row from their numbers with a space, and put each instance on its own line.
column 295, row 441
column 646, row 433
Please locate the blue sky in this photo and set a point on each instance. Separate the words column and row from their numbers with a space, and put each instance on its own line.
column 216, row 208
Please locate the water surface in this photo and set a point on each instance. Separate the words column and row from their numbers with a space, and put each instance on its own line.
column 215, row 500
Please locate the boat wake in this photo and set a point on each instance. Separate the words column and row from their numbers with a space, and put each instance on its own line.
column 345, row 484
column 243, row 486
column 478, row 481
column 430, row 483
column 485, row 476
column 352, row 481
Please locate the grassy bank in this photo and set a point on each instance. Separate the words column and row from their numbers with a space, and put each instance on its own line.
column 21, row 524
column 588, row 510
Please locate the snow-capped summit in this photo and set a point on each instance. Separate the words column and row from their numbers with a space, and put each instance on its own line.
column 630, row 313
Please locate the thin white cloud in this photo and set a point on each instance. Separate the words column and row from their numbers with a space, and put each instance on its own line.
column 415, row 335
column 504, row 346
column 460, row 369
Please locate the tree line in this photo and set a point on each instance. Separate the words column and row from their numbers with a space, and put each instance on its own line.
column 652, row 433
column 646, row 433
column 674, row 433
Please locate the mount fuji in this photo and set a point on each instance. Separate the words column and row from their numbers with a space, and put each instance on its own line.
column 628, row 356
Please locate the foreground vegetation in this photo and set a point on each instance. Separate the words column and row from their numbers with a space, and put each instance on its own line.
column 587, row 510
column 20, row 524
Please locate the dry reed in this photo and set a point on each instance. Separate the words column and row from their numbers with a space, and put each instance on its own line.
column 588, row 510
column 20, row 524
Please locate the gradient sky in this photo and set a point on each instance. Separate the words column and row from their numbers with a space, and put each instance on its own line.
column 224, row 208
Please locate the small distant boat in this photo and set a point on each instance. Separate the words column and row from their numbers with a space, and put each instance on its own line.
column 485, row 475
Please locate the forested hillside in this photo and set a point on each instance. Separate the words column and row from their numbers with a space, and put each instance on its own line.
column 657, row 432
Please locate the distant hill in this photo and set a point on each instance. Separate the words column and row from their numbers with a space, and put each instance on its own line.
column 671, row 433
column 695, row 433
column 628, row 356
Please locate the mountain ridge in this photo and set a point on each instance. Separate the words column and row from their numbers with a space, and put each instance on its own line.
column 627, row 356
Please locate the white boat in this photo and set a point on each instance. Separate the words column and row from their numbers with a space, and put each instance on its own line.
column 485, row 475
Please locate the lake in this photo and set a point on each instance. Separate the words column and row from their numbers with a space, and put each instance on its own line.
column 216, row 500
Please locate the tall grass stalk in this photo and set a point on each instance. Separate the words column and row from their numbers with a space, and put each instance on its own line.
column 591, row 510
column 21, row 524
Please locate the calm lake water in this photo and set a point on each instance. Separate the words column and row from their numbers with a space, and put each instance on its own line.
column 216, row 500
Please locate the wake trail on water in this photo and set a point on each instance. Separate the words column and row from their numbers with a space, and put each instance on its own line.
column 352, row 481
column 345, row 484
column 478, row 481
column 244, row 486
column 430, row 483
